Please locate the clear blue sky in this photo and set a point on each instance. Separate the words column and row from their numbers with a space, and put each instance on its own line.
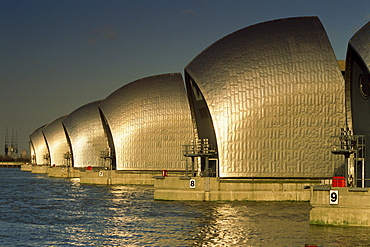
column 57, row 55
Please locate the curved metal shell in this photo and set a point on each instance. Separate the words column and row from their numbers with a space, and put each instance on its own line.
column 358, row 85
column 86, row 136
column 360, row 42
column 40, row 148
column 32, row 152
column 275, row 95
column 56, row 141
column 358, row 64
column 149, row 120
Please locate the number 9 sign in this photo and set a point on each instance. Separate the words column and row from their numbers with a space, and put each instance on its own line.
column 334, row 196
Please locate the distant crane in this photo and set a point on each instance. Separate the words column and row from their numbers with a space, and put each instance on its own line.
column 12, row 149
column 6, row 150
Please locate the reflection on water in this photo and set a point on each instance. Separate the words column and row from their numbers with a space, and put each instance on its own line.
column 41, row 211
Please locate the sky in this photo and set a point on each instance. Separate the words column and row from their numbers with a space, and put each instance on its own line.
column 58, row 55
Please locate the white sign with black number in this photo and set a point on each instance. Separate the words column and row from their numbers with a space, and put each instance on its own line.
column 334, row 197
column 192, row 183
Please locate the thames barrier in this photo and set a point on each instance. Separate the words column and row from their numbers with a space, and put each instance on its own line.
column 266, row 113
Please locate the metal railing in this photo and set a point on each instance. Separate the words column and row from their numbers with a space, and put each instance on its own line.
column 353, row 147
column 200, row 148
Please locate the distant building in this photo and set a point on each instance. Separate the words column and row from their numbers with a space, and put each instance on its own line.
column 11, row 148
column 24, row 154
column 342, row 66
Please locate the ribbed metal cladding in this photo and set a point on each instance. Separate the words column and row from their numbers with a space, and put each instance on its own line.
column 56, row 141
column 358, row 87
column 149, row 120
column 361, row 44
column 39, row 146
column 275, row 94
column 86, row 135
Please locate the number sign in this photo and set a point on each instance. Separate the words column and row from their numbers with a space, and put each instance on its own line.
column 334, row 196
column 192, row 183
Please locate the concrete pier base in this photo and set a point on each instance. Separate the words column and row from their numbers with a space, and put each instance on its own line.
column 215, row 189
column 63, row 172
column 40, row 169
column 340, row 206
column 110, row 177
column 26, row 167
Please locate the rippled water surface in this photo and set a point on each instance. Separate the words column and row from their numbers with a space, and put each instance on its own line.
column 40, row 211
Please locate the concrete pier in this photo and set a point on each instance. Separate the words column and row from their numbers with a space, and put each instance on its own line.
column 216, row 189
column 340, row 206
column 41, row 169
column 110, row 177
column 63, row 172
column 26, row 167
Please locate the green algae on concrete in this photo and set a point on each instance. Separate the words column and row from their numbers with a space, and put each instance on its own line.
column 353, row 208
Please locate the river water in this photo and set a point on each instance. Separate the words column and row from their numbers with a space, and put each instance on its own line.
column 40, row 211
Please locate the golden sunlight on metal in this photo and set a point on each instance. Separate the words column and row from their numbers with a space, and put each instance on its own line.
column 85, row 131
column 57, row 141
column 275, row 94
column 39, row 146
column 149, row 120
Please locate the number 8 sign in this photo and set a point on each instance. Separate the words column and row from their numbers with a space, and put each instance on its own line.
column 192, row 183
column 334, row 196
